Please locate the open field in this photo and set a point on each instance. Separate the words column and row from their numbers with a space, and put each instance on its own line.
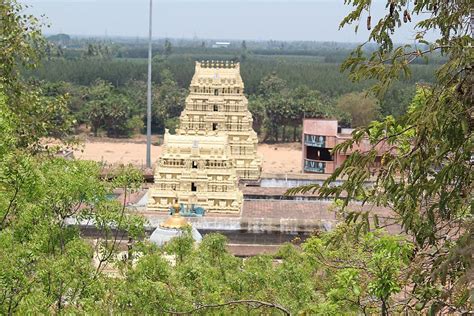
column 277, row 158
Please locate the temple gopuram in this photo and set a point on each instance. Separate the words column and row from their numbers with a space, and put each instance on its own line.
column 217, row 104
column 213, row 148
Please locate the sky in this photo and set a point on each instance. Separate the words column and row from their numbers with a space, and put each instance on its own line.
column 309, row 20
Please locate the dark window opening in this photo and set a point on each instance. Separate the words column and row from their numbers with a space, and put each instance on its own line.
column 316, row 153
column 216, row 91
column 193, row 187
column 214, row 126
column 216, row 108
column 195, row 165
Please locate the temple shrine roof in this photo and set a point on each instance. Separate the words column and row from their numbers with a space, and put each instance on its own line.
column 217, row 73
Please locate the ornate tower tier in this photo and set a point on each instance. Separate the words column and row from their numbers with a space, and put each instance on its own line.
column 214, row 145
column 196, row 171
column 216, row 105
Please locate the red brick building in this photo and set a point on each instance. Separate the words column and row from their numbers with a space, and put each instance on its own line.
column 319, row 138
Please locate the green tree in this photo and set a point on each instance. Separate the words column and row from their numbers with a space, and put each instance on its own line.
column 426, row 176
column 285, row 107
column 98, row 95
column 168, row 48
column 361, row 107
column 97, row 51
column 243, row 51
column 396, row 100
column 168, row 102
column 310, row 104
column 45, row 265
column 22, row 47
column 271, row 84
column 181, row 246
column 277, row 110
column 273, row 91
column 74, row 96
column 257, row 108
column 111, row 110
column 362, row 271
column 117, row 116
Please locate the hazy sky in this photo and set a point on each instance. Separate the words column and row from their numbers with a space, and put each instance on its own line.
column 316, row 20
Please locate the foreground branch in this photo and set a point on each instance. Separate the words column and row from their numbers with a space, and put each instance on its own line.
column 257, row 304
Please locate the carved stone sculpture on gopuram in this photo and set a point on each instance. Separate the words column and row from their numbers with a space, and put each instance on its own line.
column 213, row 148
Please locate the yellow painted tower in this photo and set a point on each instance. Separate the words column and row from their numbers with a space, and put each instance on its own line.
column 217, row 104
column 214, row 146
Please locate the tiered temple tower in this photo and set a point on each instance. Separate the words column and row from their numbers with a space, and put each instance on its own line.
column 215, row 145
column 196, row 171
column 216, row 103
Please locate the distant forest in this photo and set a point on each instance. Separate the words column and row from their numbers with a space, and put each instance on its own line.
column 105, row 83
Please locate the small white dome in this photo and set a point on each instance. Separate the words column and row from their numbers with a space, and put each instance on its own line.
column 161, row 235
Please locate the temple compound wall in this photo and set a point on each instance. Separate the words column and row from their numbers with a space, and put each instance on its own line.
column 213, row 148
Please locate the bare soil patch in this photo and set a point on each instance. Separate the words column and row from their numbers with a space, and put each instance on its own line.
column 277, row 158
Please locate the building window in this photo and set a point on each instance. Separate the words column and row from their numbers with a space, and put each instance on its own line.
column 316, row 153
column 193, row 187
column 214, row 126
column 216, row 91
column 216, row 108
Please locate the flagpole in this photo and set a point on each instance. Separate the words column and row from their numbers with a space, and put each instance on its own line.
column 148, row 105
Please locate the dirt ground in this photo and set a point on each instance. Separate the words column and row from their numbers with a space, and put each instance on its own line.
column 280, row 158
column 277, row 158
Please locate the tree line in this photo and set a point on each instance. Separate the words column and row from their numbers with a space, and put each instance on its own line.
column 308, row 88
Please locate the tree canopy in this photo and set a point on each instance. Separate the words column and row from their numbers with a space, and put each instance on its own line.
column 426, row 170
column 362, row 108
column 278, row 107
column 46, row 267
